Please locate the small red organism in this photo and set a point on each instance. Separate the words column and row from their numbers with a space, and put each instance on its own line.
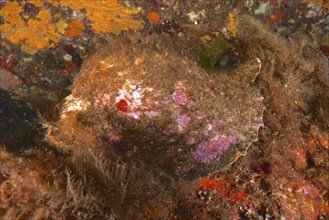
column 203, row 183
column 154, row 17
column 223, row 187
column 122, row 105
column 211, row 184
column 239, row 197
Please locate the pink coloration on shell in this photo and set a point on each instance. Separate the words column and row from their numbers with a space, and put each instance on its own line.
column 183, row 122
column 151, row 114
column 218, row 124
column 179, row 97
column 96, row 103
column 206, row 152
column 207, row 130
column 199, row 115
column 310, row 189
column 307, row 190
column 223, row 144
column 190, row 141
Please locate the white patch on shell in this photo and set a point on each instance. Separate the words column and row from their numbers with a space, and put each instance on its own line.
column 133, row 93
column 67, row 57
column 152, row 114
column 73, row 104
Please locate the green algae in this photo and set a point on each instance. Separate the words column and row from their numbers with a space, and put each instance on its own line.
column 209, row 57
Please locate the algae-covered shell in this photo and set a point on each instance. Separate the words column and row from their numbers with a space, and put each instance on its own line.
column 150, row 104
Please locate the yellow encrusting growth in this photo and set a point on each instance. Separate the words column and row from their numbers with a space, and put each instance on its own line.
column 34, row 34
column 38, row 3
column 61, row 25
column 106, row 16
column 75, row 28
column 232, row 24
column 42, row 31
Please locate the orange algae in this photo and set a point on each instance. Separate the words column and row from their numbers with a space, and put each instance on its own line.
column 11, row 14
column 75, row 28
column 105, row 16
column 37, row 3
column 34, row 35
column 154, row 17
column 58, row 15
column 41, row 32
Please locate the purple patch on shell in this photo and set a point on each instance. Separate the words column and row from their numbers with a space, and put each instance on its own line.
column 183, row 122
column 206, row 152
column 224, row 143
column 179, row 97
